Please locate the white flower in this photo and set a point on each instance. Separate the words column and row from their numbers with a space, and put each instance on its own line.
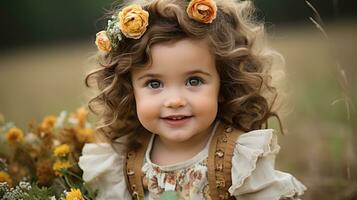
column 60, row 119
column 31, row 138
column 25, row 185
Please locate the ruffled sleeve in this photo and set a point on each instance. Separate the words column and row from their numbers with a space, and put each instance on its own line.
column 103, row 171
column 253, row 173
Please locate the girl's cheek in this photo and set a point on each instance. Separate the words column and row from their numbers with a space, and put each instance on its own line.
column 146, row 105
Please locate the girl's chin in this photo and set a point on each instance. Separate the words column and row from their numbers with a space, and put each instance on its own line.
column 176, row 137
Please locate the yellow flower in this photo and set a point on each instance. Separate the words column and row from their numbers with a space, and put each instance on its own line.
column 59, row 165
column 85, row 135
column 133, row 21
column 102, row 41
column 74, row 194
column 4, row 177
column 204, row 11
column 15, row 135
column 48, row 122
column 62, row 150
column 80, row 116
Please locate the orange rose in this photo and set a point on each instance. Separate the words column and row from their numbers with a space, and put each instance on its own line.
column 204, row 11
column 102, row 41
column 133, row 21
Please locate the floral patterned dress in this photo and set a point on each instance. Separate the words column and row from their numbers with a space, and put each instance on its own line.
column 188, row 179
column 253, row 174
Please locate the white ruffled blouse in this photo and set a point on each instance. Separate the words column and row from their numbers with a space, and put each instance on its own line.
column 253, row 173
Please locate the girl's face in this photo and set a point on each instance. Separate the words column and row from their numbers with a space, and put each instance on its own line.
column 177, row 97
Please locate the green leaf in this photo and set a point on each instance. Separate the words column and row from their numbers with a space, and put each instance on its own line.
column 36, row 192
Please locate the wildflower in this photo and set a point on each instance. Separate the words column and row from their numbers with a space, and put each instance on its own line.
column 102, row 41
column 62, row 150
column 60, row 119
column 82, row 116
column 85, row 135
column 25, row 185
column 79, row 117
column 48, row 122
column 133, row 21
column 61, row 165
column 46, row 127
column 4, row 188
column 15, row 135
column 5, row 177
column 31, row 138
column 44, row 173
column 74, row 194
column 204, row 11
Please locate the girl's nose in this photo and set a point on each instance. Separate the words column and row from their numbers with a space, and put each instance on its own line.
column 175, row 102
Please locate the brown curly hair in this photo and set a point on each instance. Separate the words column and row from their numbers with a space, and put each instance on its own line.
column 243, row 61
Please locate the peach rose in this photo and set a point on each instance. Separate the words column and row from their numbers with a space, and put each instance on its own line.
column 133, row 21
column 204, row 11
column 102, row 41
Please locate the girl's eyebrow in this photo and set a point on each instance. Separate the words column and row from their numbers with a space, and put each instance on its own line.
column 153, row 75
column 149, row 75
column 198, row 71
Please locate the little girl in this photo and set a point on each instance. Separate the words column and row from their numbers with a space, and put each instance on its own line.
column 185, row 88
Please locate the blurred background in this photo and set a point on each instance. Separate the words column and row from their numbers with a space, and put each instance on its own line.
column 46, row 50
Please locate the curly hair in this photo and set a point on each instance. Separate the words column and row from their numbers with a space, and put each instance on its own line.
column 236, row 40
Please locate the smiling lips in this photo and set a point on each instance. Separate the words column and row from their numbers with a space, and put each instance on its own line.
column 176, row 120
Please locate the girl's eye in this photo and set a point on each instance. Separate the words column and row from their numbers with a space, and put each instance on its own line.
column 194, row 81
column 153, row 84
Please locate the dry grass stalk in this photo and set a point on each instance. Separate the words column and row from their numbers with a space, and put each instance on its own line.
column 342, row 78
column 351, row 168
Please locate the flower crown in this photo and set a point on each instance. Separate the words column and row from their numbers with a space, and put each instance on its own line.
column 132, row 22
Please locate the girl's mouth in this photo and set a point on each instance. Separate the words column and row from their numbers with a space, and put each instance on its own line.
column 176, row 120
column 176, row 117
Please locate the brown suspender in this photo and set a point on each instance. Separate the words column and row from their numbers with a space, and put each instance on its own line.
column 219, row 164
column 132, row 169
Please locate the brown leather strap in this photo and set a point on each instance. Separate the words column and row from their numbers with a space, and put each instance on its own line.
column 134, row 162
column 220, row 161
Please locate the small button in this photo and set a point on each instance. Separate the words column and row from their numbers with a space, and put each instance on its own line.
column 228, row 129
column 224, row 139
column 130, row 154
column 130, row 172
column 219, row 153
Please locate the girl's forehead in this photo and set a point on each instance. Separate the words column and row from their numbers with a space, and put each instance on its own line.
column 182, row 53
column 188, row 45
column 180, row 58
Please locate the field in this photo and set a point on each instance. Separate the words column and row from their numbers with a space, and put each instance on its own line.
column 320, row 143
